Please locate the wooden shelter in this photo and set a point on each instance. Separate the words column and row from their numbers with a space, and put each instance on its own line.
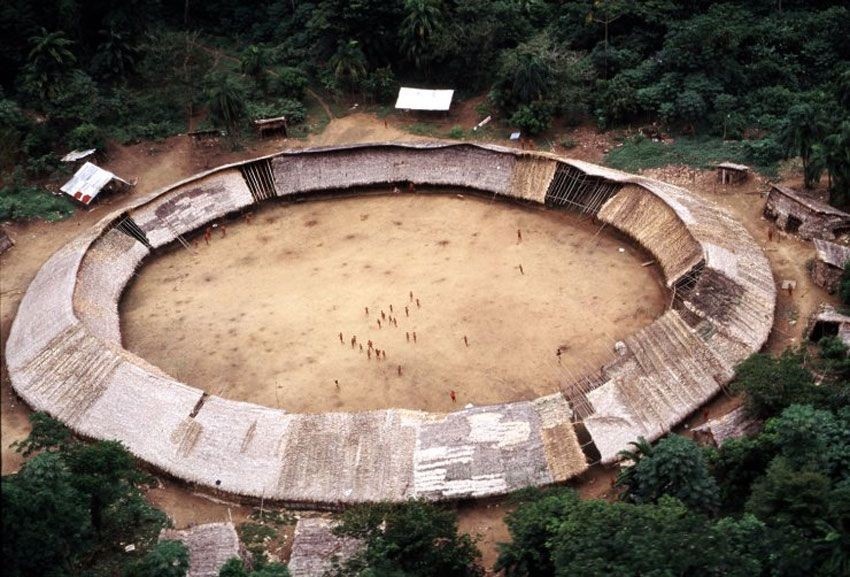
column 807, row 217
column 828, row 266
column 89, row 181
column 6, row 241
column 731, row 173
column 264, row 126
column 210, row 546
column 315, row 547
column 828, row 322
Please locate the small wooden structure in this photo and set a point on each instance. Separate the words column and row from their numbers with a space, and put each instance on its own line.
column 89, row 181
column 199, row 136
column 732, row 425
column 210, row 546
column 828, row 322
column 315, row 547
column 5, row 241
column 828, row 267
column 731, row 173
column 807, row 217
column 265, row 125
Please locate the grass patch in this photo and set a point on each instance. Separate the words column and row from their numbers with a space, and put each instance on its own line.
column 640, row 153
column 423, row 129
column 19, row 201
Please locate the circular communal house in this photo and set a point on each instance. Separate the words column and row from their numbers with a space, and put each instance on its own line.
column 65, row 355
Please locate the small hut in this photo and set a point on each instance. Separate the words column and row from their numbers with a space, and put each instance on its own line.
column 264, row 126
column 315, row 547
column 89, row 181
column 5, row 241
column 210, row 546
column 732, row 425
column 829, row 265
column 807, row 217
column 828, row 322
column 422, row 99
column 731, row 173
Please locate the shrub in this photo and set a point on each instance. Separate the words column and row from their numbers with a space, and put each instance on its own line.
column 771, row 384
column 288, row 82
column 456, row 132
column 764, row 152
column 85, row 136
column 19, row 201
column 293, row 110
column 532, row 119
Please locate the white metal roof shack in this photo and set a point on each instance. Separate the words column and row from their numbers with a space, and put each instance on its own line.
column 76, row 155
column 88, row 181
column 422, row 99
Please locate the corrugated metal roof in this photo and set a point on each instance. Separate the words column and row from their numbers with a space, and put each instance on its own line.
column 422, row 99
column 88, row 181
column 733, row 166
column 75, row 155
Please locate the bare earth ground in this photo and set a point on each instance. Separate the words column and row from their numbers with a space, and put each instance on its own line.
column 157, row 164
column 256, row 315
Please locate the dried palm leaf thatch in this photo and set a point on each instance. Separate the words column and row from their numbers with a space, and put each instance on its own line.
column 210, row 546
column 315, row 547
column 192, row 205
column 531, row 177
column 463, row 165
column 647, row 219
column 671, row 372
column 104, row 272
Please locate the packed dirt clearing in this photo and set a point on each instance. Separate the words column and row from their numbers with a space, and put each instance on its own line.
column 256, row 314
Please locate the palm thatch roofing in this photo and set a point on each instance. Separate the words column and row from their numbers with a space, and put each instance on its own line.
column 833, row 254
column 64, row 353
column 315, row 547
column 210, row 546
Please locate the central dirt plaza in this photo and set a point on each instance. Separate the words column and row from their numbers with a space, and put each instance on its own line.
column 473, row 295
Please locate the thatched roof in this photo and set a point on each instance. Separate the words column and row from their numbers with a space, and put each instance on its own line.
column 315, row 548
column 810, row 203
column 732, row 425
column 833, row 254
column 210, row 546
column 64, row 352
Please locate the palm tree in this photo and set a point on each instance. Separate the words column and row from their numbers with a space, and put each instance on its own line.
column 626, row 477
column 116, row 53
column 48, row 60
column 532, row 77
column 226, row 100
column 349, row 63
column 423, row 21
column 836, row 148
column 801, row 131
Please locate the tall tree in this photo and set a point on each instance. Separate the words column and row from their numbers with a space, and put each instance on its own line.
column 423, row 22
column 799, row 134
column 348, row 64
column 48, row 60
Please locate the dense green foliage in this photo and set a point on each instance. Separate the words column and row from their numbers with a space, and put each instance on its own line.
column 774, row 504
column 70, row 506
column 771, row 79
column 414, row 539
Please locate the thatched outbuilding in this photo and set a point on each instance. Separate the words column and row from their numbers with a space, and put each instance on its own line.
column 210, row 546
column 315, row 547
column 731, row 173
column 6, row 241
column 65, row 357
column 807, row 217
column 733, row 425
column 828, row 266
column 828, row 322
